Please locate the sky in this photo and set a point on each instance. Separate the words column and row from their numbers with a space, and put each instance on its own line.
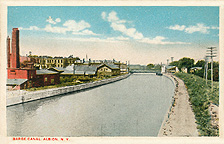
column 139, row 34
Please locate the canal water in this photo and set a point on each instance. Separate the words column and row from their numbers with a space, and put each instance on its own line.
column 135, row 106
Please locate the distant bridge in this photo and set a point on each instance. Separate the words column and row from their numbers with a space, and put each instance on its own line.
column 144, row 71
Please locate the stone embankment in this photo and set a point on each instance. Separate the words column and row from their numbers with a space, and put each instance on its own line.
column 19, row 97
column 179, row 120
column 214, row 112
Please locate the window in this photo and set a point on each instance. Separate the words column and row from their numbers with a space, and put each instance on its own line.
column 45, row 79
column 12, row 72
column 52, row 81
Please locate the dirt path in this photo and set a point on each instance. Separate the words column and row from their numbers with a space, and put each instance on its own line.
column 180, row 120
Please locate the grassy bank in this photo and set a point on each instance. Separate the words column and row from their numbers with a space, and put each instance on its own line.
column 200, row 97
column 72, row 80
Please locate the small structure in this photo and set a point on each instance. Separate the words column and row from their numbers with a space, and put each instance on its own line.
column 47, row 77
column 85, row 70
column 184, row 69
column 68, row 71
column 172, row 69
column 108, row 69
column 194, row 69
column 163, row 69
column 16, row 84
column 76, row 70
column 123, row 68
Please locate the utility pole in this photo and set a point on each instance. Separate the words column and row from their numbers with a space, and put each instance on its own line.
column 167, row 61
column 172, row 59
column 206, row 69
column 211, row 53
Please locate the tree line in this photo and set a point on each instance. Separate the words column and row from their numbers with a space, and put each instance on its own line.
column 190, row 63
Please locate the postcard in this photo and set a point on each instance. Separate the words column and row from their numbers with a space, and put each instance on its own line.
column 99, row 72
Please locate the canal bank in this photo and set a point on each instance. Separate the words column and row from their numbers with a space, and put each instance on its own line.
column 134, row 106
column 19, row 97
column 180, row 119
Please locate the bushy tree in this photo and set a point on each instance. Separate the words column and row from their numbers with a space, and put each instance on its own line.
column 174, row 63
column 200, row 63
column 186, row 62
column 150, row 66
column 199, row 73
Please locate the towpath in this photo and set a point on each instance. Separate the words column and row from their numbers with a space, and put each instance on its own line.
column 180, row 120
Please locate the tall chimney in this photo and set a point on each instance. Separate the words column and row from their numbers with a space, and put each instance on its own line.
column 15, row 48
column 8, row 52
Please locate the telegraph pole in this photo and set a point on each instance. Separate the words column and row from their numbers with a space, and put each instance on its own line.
column 172, row 59
column 206, row 69
column 211, row 53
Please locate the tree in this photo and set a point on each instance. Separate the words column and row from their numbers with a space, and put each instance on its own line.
column 200, row 63
column 216, row 74
column 174, row 63
column 215, row 64
column 199, row 73
column 186, row 62
column 65, row 62
column 157, row 67
column 150, row 66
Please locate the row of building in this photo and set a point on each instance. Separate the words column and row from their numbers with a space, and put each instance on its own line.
column 174, row 69
column 37, row 71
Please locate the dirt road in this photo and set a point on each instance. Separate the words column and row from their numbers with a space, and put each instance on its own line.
column 180, row 120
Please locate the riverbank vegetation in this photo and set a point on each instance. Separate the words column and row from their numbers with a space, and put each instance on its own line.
column 201, row 96
column 197, row 68
column 73, row 80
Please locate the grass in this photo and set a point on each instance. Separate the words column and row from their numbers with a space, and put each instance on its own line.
column 69, row 81
column 201, row 96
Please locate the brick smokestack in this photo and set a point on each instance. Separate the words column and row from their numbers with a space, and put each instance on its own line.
column 15, row 48
column 8, row 52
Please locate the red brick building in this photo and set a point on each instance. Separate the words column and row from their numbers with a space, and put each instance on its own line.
column 25, row 77
column 46, row 77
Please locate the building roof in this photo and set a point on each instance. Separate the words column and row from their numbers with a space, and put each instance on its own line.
column 67, row 72
column 112, row 66
column 196, row 68
column 59, row 68
column 15, row 81
column 170, row 67
column 71, row 67
column 81, row 69
column 68, row 69
column 44, row 71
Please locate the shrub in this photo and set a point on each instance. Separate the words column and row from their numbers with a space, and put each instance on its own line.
column 200, row 96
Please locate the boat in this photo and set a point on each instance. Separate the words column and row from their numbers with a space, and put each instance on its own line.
column 159, row 74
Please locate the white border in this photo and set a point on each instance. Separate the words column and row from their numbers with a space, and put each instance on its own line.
column 97, row 140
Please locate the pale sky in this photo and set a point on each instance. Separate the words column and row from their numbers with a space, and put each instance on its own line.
column 140, row 35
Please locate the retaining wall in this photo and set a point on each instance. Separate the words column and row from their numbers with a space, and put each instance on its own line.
column 18, row 98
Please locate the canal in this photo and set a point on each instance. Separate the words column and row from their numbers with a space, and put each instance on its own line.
column 135, row 106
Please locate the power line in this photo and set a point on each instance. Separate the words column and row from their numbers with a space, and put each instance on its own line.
column 211, row 52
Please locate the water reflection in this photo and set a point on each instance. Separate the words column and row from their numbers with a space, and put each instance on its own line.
column 132, row 107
